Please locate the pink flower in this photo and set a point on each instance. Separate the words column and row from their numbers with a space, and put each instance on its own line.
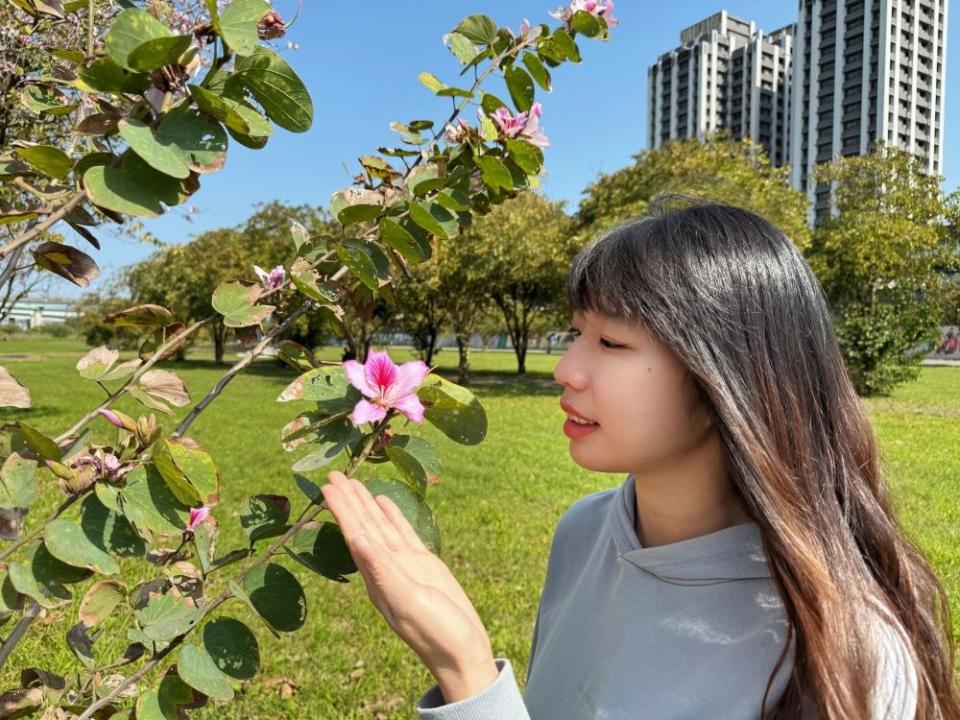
column 525, row 125
column 197, row 516
column 387, row 386
column 112, row 417
column 602, row 9
column 271, row 280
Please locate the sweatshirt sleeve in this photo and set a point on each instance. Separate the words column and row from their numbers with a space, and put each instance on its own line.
column 895, row 691
column 500, row 700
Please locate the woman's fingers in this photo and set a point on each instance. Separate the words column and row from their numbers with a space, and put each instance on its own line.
column 378, row 518
column 348, row 511
column 400, row 523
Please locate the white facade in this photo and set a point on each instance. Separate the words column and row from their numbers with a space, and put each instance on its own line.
column 866, row 69
column 726, row 74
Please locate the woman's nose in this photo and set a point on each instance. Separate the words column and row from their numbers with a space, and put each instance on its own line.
column 568, row 371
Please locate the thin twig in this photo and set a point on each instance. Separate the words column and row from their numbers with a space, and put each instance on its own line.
column 18, row 631
column 41, row 227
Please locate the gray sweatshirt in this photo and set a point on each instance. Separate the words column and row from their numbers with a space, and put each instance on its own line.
column 687, row 630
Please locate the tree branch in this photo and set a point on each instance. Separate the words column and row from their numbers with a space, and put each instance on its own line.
column 41, row 227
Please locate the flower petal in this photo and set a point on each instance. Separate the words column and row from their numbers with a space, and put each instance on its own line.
column 355, row 376
column 364, row 412
column 379, row 371
column 411, row 406
column 409, row 377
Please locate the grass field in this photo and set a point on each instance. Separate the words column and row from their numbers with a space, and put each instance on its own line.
column 496, row 504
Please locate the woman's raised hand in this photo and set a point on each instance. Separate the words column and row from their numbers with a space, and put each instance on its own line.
column 413, row 589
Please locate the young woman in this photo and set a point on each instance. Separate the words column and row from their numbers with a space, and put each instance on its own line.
column 749, row 566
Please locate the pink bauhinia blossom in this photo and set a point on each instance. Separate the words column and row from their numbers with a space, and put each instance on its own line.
column 387, row 385
column 271, row 280
column 457, row 133
column 525, row 125
column 602, row 9
column 197, row 516
column 271, row 26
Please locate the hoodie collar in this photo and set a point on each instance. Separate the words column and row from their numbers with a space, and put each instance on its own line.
column 733, row 553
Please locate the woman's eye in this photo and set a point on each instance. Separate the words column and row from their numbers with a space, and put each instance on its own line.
column 608, row 344
column 574, row 331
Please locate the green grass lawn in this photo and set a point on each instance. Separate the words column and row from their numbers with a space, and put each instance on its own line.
column 496, row 504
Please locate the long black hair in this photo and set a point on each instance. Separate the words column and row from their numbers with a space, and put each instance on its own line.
column 740, row 307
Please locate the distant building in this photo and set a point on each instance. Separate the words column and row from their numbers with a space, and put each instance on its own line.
column 847, row 73
column 726, row 74
column 866, row 69
column 31, row 312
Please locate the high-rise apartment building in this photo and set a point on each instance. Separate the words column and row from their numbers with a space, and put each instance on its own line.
column 863, row 70
column 726, row 74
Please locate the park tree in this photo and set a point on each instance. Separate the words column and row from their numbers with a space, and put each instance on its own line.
column 421, row 311
column 524, row 249
column 737, row 172
column 160, row 92
column 878, row 257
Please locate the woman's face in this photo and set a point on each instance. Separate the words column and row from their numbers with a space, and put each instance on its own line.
column 642, row 400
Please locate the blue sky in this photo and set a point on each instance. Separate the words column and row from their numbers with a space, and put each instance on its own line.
column 360, row 61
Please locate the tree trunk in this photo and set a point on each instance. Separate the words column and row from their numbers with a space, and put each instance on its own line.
column 431, row 346
column 463, row 368
column 219, row 331
column 522, row 360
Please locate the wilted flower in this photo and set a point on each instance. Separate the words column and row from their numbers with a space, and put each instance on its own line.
column 457, row 133
column 602, row 9
column 271, row 26
column 525, row 125
column 271, row 280
column 387, row 386
column 106, row 466
column 197, row 516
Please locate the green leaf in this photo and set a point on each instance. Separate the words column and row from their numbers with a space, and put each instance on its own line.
column 67, row 542
column 416, row 460
column 236, row 302
column 149, row 505
column 277, row 596
column 587, row 24
column 264, row 516
column 479, row 28
column 320, row 384
column 558, row 47
column 18, row 488
column 495, row 173
column 233, row 647
column 490, row 103
column 105, row 75
column 188, row 470
column 160, row 156
column 322, row 548
column 238, row 24
column 198, row 138
column 520, row 85
column 308, row 488
column 46, row 160
column 130, row 29
column 537, row 70
column 158, row 52
column 415, row 248
column 453, row 410
column 40, row 99
column 235, row 115
column 109, row 530
column 528, row 158
column 461, row 46
column 277, row 88
column 431, row 82
column 43, row 446
column 198, row 670
column 333, row 440
column 167, row 616
column 414, row 509
column 163, row 703
column 111, row 188
column 100, row 601
column 41, row 577
column 366, row 261
column 435, row 219
column 425, row 178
